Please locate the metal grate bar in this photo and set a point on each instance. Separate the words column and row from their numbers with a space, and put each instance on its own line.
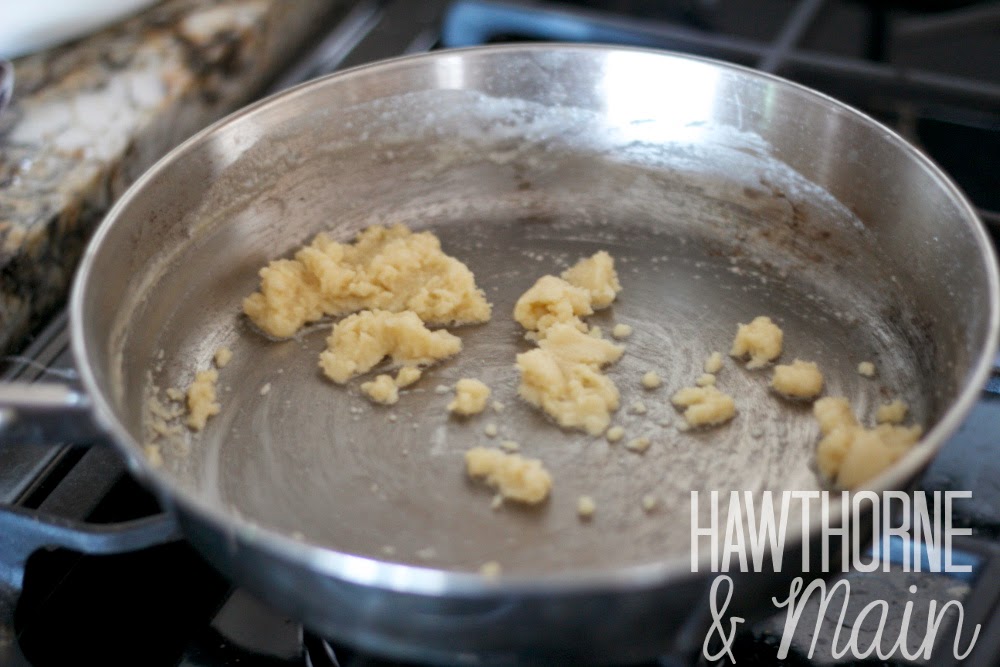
column 474, row 22
column 948, row 24
column 791, row 34
column 48, row 355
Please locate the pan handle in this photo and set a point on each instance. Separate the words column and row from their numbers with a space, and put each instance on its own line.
column 46, row 413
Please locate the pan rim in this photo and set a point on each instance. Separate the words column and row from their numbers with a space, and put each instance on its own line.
column 415, row 579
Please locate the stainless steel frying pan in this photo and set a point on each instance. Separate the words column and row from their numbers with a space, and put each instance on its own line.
column 722, row 193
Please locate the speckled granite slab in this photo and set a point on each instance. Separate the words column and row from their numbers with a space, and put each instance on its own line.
column 89, row 117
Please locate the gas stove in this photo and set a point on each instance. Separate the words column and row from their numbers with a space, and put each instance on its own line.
column 926, row 68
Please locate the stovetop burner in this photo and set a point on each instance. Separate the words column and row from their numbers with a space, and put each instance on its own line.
column 930, row 74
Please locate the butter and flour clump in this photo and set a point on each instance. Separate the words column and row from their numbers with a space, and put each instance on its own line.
column 849, row 454
column 563, row 375
column 360, row 341
column 386, row 268
column 390, row 283
column 513, row 476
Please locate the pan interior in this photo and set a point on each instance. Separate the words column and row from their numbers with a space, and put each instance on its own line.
column 707, row 230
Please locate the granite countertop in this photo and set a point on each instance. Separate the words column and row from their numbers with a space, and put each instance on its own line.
column 89, row 117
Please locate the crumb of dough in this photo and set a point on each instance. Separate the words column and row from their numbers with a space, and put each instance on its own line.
column 585, row 507
column 381, row 390
column 175, row 394
column 391, row 269
column 574, row 347
column 201, row 399
column 649, row 502
column 222, row 357
column 800, row 379
column 266, row 389
column 596, row 332
column 515, row 477
column 683, row 426
column 575, row 395
column 597, row 275
column 867, row 369
column 427, row 553
column 550, row 301
column 850, row 454
column 161, row 418
column 705, row 406
column 760, row 340
column 490, row 569
column 497, row 501
column 498, row 406
column 705, row 379
column 621, row 331
column 407, row 375
column 471, row 396
column 563, row 377
column 161, row 427
column 442, row 389
column 892, row 413
column 490, row 430
column 389, row 550
column 713, row 364
column 638, row 408
column 510, row 446
column 615, row 433
column 153, row 455
column 651, row 380
column 638, row 445
column 833, row 413
column 360, row 341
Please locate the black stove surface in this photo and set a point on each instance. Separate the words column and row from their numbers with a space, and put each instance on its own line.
column 927, row 68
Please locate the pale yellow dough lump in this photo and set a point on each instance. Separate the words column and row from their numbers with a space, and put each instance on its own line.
column 471, row 396
column 407, row 375
column 760, row 340
column 201, row 399
column 588, row 285
column 222, row 357
column 551, row 301
column 385, row 390
column 705, row 379
column 360, row 341
column 705, row 406
column 621, row 331
column 597, row 275
column 850, row 454
column 512, row 475
column 563, row 377
column 867, row 369
column 800, row 379
column 390, row 269
column 572, row 346
column 713, row 364
column 892, row 413
column 381, row 390
column 651, row 380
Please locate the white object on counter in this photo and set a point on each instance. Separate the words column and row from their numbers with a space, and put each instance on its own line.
column 29, row 26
